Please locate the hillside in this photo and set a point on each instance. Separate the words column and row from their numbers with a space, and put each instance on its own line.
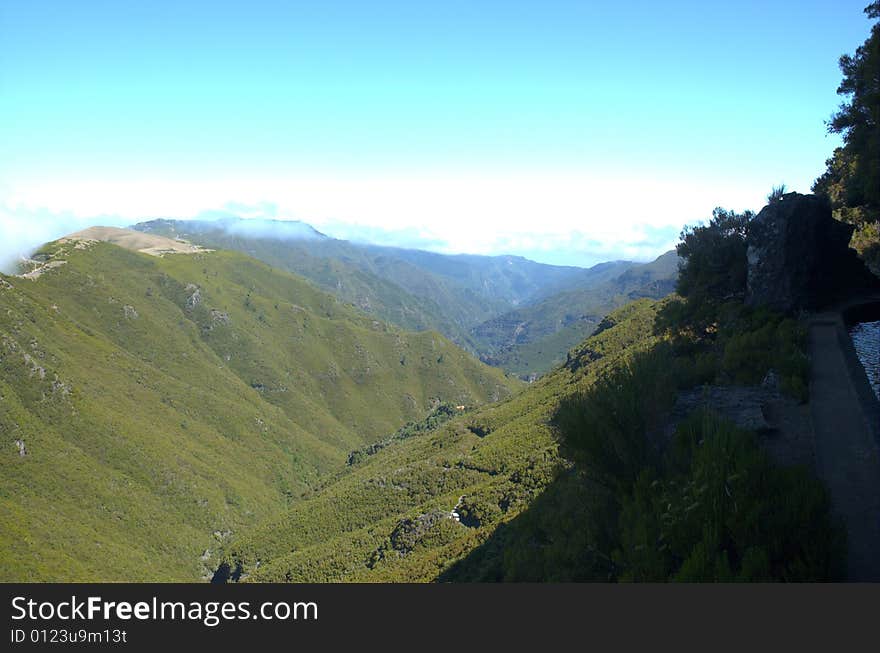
column 584, row 476
column 133, row 240
column 156, row 405
column 398, row 523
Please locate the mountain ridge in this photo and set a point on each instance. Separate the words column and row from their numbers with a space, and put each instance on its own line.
column 474, row 300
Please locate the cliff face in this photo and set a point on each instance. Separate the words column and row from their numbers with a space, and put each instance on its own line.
column 799, row 256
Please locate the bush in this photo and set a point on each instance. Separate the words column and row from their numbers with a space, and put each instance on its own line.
column 604, row 428
column 713, row 257
column 719, row 510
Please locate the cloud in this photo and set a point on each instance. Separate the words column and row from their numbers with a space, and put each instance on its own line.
column 407, row 237
column 23, row 230
column 573, row 216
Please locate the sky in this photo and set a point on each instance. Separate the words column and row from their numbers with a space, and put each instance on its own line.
column 570, row 132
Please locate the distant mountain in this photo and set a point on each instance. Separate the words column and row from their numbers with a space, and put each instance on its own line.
column 512, row 312
column 535, row 338
column 160, row 404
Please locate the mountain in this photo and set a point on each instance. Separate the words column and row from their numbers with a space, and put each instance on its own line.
column 156, row 405
column 535, row 338
column 512, row 312
column 444, row 278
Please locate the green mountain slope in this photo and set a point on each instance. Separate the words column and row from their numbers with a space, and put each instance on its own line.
column 489, row 495
column 535, row 338
column 154, row 407
column 374, row 280
column 398, row 524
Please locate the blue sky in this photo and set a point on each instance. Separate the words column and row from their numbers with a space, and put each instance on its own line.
column 569, row 132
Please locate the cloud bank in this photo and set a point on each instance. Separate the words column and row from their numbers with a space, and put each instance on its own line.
column 565, row 218
column 23, row 230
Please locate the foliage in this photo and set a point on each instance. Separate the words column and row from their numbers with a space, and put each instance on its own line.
column 759, row 340
column 852, row 178
column 604, row 427
column 250, row 397
column 776, row 194
column 713, row 257
column 490, row 480
column 442, row 413
column 718, row 510
column 168, row 403
column 706, row 506
column 732, row 343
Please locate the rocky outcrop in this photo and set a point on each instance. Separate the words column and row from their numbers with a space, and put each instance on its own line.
column 781, row 423
column 194, row 297
column 219, row 317
column 799, row 256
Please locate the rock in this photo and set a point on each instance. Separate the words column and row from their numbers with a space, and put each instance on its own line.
column 22, row 450
column 743, row 405
column 799, row 256
column 195, row 295
column 219, row 317
column 129, row 312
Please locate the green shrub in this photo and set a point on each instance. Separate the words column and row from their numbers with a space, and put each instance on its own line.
column 719, row 510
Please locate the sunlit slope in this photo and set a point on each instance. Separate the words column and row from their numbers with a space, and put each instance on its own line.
column 165, row 404
column 390, row 516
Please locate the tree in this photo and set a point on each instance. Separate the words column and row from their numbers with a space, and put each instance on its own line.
column 714, row 265
column 852, row 179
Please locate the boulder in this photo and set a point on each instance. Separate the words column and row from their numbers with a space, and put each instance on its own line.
column 799, row 256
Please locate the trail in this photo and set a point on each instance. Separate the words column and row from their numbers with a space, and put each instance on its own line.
column 847, row 453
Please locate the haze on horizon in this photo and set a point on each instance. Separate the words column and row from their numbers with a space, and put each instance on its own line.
column 569, row 132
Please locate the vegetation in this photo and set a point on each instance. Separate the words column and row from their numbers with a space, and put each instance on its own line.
column 713, row 258
column 165, row 404
column 703, row 503
column 852, row 178
column 442, row 413
column 776, row 194
column 487, row 465
column 707, row 506
column 222, row 399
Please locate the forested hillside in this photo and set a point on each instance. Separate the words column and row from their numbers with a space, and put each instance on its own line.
column 159, row 405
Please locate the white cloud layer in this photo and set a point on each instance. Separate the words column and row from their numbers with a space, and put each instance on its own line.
column 561, row 218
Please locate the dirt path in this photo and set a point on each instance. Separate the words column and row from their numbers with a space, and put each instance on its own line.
column 846, row 448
